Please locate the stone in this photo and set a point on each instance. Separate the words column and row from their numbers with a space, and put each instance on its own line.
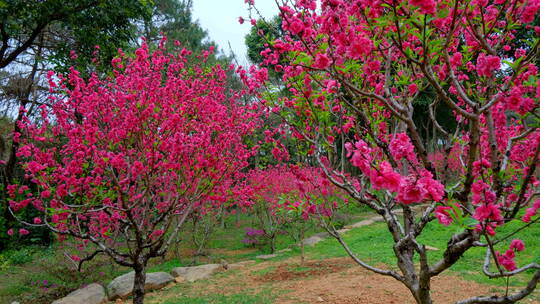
column 285, row 250
column 241, row 264
column 91, row 294
column 310, row 241
column 179, row 280
column 319, row 299
column 195, row 273
column 432, row 248
column 266, row 256
column 122, row 286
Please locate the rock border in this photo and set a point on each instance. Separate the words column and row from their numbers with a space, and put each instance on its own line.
column 119, row 287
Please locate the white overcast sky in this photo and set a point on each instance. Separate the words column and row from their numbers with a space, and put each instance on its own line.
column 220, row 19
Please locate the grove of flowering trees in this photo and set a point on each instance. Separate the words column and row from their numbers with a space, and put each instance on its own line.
column 286, row 197
column 354, row 71
column 121, row 162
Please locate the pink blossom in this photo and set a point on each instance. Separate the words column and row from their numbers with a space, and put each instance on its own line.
column 442, row 214
column 413, row 88
column 426, row 6
column 37, row 221
column 360, row 155
column 434, row 188
column 321, row 61
column 480, row 3
column 75, row 258
column 517, row 244
column 529, row 11
column 456, row 60
column 23, row 231
column 507, row 260
column 296, row 26
column 10, row 232
column 488, row 212
column 487, row 64
column 410, row 191
column 156, row 233
column 401, row 147
column 45, row 194
column 386, row 178
column 360, row 46
column 529, row 213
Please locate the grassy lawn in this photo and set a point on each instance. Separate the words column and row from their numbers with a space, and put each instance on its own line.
column 374, row 244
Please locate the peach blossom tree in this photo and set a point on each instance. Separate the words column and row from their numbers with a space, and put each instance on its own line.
column 353, row 71
column 122, row 161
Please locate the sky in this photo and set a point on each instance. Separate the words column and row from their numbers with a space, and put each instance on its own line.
column 220, row 19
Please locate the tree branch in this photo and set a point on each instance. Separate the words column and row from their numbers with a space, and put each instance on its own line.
column 508, row 299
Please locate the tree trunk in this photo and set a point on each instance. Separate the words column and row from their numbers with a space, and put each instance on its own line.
column 423, row 296
column 138, row 284
column 302, row 253
column 237, row 217
column 273, row 243
column 222, row 217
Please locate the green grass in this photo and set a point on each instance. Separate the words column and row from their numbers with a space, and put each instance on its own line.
column 374, row 244
column 223, row 299
column 49, row 276
column 264, row 271
column 209, row 291
column 192, row 295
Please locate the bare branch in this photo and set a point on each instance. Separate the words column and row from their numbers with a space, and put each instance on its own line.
column 492, row 275
column 508, row 299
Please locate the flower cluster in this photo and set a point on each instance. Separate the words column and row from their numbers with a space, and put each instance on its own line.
column 507, row 260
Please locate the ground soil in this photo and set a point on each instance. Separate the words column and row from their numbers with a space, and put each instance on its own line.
column 356, row 285
column 340, row 281
column 337, row 281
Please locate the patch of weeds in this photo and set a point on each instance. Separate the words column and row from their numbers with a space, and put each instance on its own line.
column 165, row 266
column 264, row 271
column 300, row 268
column 245, row 297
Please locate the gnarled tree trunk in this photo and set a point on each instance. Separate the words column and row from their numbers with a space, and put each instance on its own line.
column 138, row 283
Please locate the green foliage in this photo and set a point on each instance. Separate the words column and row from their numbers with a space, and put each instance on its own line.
column 255, row 42
column 73, row 25
column 421, row 117
column 18, row 256
column 39, row 275
column 173, row 19
column 260, row 37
